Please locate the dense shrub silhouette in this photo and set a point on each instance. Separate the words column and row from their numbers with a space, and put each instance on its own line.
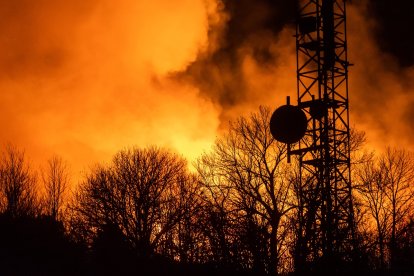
column 36, row 246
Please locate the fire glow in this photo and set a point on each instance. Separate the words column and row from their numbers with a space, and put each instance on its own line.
column 83, row 79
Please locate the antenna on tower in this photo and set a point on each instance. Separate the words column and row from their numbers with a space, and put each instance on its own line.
column 326, row 231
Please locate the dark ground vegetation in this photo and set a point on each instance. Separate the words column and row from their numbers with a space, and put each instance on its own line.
column 145, row 213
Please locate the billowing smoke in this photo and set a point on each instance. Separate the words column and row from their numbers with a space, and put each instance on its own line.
column 250, row 56
column 251, row 61
column 85, row 78
column 393, row 30
column 381, row 82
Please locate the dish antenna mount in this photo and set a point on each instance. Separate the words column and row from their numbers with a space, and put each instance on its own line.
column 316, row 131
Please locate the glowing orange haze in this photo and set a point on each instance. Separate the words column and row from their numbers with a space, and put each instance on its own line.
column 85, row 78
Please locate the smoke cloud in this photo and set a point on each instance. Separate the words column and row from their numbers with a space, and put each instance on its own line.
column 381, row 87
column 253, row 62
column 249, row 57
column 85, row 78
column 393, row 30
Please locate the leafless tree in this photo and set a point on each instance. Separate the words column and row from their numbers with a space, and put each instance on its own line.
column 372, row 191
column 183, row 242
column 144, row 192
column 18, row 193
column 246, row 177
column 397, row 167
column 55, row 180
column 387, row 189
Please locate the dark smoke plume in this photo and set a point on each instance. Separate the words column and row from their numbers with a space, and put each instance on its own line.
column 395, row 28
column 380, row 46
column 251, row 28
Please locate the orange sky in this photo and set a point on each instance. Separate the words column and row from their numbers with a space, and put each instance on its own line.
column 85, row 78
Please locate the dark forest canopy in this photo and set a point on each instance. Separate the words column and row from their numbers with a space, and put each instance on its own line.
column 146, row 213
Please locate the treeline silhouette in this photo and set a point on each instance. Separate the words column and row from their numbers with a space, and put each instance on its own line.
column 236, row 213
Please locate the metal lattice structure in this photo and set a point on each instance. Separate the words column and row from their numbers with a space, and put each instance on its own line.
column 326, row 215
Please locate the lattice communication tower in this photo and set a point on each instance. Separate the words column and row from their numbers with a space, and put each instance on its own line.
column 317, row 132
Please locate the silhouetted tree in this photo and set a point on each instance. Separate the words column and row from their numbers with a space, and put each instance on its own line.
column 112, row 254
column 372, row 191
column 397, row 168
column 18, row 193
column 55, row 180
column 144, row 192
column 184, row 242
column 404, row 254
column 387, row 190
column 246, row 180
column 36, row 246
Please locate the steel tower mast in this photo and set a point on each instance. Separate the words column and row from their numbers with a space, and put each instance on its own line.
column 325, row 212
column 324, row 152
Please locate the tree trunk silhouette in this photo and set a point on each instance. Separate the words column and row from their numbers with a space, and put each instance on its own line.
column 55, row 180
